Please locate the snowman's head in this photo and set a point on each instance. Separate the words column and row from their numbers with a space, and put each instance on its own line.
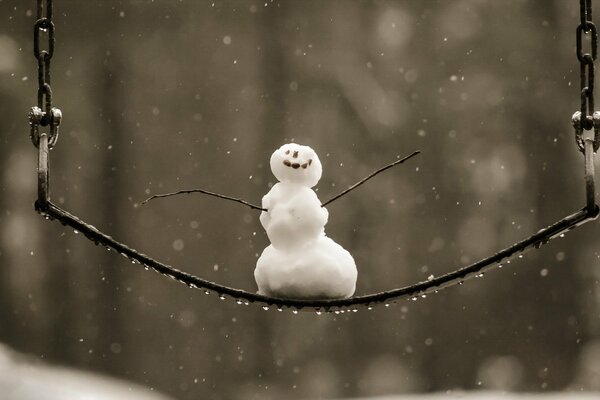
column 295, row 163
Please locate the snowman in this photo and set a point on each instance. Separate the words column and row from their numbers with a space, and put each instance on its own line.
column 301, row 262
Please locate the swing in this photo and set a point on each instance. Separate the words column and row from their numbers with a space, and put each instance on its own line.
column 45, row 115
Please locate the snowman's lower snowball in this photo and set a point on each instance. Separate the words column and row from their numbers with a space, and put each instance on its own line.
column 320, row 270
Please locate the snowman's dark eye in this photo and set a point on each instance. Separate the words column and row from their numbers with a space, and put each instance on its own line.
column 287, row 152
column 295, row 155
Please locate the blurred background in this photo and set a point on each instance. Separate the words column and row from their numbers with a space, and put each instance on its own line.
column 165, row 95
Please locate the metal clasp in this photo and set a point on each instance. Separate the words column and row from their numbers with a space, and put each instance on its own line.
column 38, row 118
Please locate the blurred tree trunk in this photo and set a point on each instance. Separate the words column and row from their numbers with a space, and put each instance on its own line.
column 435, row 319
column 110, row 96
column 553, row 358
column 7, row 306
column 273, row 66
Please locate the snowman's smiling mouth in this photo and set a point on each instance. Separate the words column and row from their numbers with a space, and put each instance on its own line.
column 296, row 165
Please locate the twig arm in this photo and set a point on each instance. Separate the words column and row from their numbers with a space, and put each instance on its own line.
column 357, row 184
column 255, row 207
column 221, row 196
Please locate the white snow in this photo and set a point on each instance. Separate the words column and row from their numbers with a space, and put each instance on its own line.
column 295, row 163
column 321, row 269
column 294, row 217
column 301, row 262
column 490, row 395
column 26, row 378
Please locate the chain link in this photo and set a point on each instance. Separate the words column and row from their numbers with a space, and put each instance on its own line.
column 586, row 118
column 44, row 114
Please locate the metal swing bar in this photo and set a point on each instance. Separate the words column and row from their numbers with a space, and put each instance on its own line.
column 582, row 121
column 415, row 291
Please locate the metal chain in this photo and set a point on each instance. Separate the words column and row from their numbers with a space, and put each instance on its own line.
column 44, row 114
column 586, row 118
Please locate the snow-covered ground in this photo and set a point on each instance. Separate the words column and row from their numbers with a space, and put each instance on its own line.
column 24, row 378
column 483, row 395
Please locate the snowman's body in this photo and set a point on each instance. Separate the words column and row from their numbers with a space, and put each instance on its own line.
column 301, row 262
column 294, row 217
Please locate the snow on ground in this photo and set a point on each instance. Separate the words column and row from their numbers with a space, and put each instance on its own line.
column 25, row 378
column 483, row 395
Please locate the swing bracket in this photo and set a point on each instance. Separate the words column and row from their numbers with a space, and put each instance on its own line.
column 44, row 142
column 588, row 144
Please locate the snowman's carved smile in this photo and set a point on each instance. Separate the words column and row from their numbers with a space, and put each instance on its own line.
column 296, row 165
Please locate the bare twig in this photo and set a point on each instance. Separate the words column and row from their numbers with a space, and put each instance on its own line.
column 221, row 196
column 357, row 184
column 244, row 202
